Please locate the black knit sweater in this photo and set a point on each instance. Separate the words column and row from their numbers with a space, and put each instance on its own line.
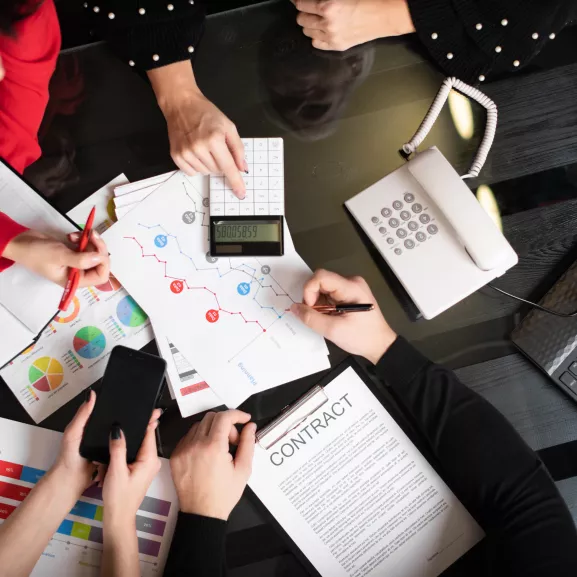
column 471, row 39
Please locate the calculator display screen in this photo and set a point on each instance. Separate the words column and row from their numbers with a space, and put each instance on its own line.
column 247, row 231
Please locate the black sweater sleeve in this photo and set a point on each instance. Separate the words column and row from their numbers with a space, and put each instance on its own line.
column 495, row 474
column 197, row 548
column 475, row 39
column 148, row 33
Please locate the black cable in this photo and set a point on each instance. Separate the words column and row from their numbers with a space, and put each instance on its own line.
column 535, row 305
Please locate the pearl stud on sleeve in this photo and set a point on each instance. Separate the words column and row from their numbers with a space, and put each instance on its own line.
column 170, row 7
column 96, row 9
column 142, row 11
column 111, row 15
column 156, row 57
column 131, row 62
column 552, row 36
column 535, row 35
column 450, row 56
column 190, row 49
column 504, row 22
column 498, row 49
column 482, row 77
column 479, row 26
column 434, row 35
column 516, row 63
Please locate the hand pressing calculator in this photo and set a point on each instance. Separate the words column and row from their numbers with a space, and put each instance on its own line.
column 252, row 226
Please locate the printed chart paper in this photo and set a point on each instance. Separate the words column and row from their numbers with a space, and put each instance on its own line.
column 73, row 351
column 355, row 494
column 26, row 453
column 227, row 316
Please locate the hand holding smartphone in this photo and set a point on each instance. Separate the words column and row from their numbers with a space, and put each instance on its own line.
column 130, row 389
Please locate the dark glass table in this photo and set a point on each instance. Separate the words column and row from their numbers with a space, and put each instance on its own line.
column 344, row 118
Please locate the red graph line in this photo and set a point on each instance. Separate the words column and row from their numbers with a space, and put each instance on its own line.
column 185, row 284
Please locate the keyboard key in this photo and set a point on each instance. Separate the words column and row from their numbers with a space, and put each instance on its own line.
column 401, row 233
column 573, row 368
column 413, row 226
column 261, row 196
column 261, row 208
column 276, row 170
column 229, row 196
column 421, row 236
column 569, row 380
column 393, row 223
column 260, row 169
column 231, row 209
column 409, row 197
column 275, row 144
column 248, row 156
column 216, row 182
column 261, row 157
column 246, row 208
column 274, row 156
column 432, row 228
column 276, row 208
column 409, row 244
column 216, row 195
column 248, row 144
column 390, row 240
column 248, row 181
column 276, row 195
column 261, row 183
column 417, row 208
column 382, row 230
column 397, row 205
column 398, row 251
column 249, row 195
column 260, row 144
column 217, row 209
column 425, row 218
column 405, row 215
column 275, row 183
column 386, row 212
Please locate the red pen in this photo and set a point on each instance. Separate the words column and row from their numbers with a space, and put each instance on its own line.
column 73, row 275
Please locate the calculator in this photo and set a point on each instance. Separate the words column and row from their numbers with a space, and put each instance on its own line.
column 252, row 226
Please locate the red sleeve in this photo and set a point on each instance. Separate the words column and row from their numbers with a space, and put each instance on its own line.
column 8, row 230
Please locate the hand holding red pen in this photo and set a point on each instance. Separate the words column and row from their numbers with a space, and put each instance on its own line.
column 52, row 259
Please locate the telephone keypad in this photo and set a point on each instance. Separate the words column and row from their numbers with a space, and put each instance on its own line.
column 418, row 223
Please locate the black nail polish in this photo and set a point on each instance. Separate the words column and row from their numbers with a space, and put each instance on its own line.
column 246, row 172
column 115, row 432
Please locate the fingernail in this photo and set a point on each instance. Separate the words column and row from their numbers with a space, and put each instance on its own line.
column 115, row 432
column 246, row 166
column 95, row 474
column 96, row 259
column 95, row 235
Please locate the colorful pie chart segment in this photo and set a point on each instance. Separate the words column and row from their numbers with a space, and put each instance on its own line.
column 110, row 285
column 70, row 313
column 89, row 342
column 129, row 313
column 45, row 374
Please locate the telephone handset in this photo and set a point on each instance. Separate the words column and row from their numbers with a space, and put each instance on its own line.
column 428, row 225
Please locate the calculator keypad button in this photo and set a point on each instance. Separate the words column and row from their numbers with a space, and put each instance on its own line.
column 413, row 226
column 569, row 380
column 417, row 208
column 424, row 218
column 573, row 368
column 276, row 208
column 405, row 215
column 432, row 229
column 374, row 220
column 394, row 222
column 397, row 205
column 245, row 209
column 231, row 209
column 401, row 233
column 391, row 240
column 398, row 251
column 409, row 244
column 409, row 197
column 386, row 212
column 382, row 230
column 217, row 209
column 421, row 236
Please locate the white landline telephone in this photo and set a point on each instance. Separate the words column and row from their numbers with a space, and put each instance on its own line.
column 428, row 225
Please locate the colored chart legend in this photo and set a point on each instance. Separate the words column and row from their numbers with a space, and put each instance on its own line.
column 49, row 330
column 110, row 285
column 114, row 328
column 89, row 342
column 45, row 374
column 90, row 295
column 29, row 395
column 72, row 362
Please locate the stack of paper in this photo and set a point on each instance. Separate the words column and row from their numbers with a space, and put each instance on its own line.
column 226, row 318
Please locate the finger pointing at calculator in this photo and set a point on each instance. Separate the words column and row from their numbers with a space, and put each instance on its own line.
column 366, row 334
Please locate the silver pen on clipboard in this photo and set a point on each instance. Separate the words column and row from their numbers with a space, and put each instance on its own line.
column 291, row 417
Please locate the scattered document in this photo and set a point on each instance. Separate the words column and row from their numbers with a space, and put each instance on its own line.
column 356, row 496
column 76, row 548
column 228, row 317
column 27, row 301
column 73, row 350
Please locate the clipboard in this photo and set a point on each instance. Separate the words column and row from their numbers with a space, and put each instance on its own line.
column 36, row 338
column 296, row 414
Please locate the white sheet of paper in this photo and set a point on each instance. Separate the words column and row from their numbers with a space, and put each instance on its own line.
column 139, row 184
column 73, row 351
column 30, row 298
column 76, row 548
column 227, row 316
column 356, row 496
column 190, row 390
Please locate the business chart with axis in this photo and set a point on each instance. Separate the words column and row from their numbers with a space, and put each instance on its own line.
column 229, row 316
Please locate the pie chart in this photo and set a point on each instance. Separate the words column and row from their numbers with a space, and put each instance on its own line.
column 129, row 313
column 110, row 285
column 89, row 342
column 71, row 312
column 45, row 374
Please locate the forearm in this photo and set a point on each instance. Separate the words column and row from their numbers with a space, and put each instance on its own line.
column 173, row 82
column 496, row 475
column 120, row 555
column 9, row 229
column 25, row 534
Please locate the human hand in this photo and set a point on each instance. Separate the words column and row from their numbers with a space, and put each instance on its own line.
column 366, row 333
column 208, row 480
column 78, row 473
column 342, row 24
column 202, row 138
column 51, row 258
column 125, row 485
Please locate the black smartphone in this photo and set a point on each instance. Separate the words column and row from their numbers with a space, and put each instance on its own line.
column 130, row 388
